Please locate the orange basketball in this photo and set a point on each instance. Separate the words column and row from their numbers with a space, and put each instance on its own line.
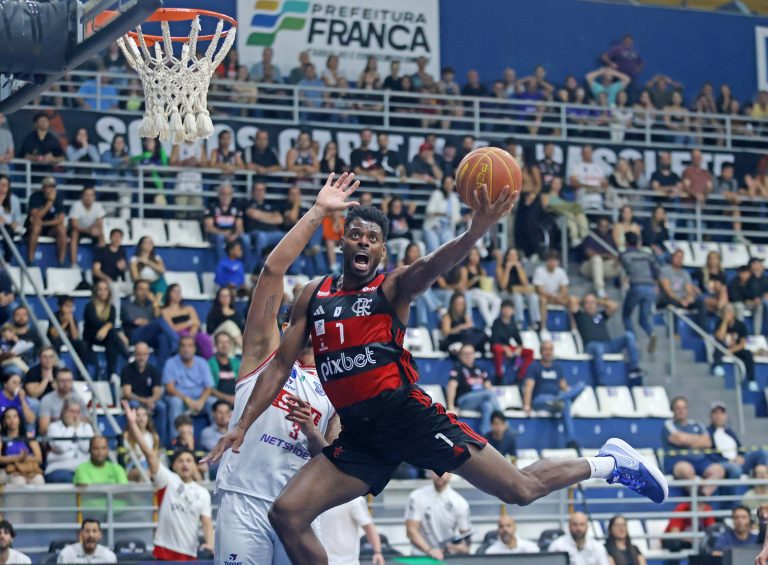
column 488, row 166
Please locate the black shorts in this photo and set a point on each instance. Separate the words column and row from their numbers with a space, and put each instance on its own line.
column 416, row 432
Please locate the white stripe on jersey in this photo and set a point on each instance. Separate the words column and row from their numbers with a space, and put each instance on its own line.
column 274, row 448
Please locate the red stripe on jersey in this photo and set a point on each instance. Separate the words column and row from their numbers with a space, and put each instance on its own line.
column 363, row 386
column 421, row 397
column 408, row 368
column 353, row 332
column 464, row 427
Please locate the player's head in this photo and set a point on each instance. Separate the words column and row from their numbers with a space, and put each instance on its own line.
column 90, row 534
column 507, row 529
column 7, row 533
column 577, row 526
column 364, row 242
column 184, row 464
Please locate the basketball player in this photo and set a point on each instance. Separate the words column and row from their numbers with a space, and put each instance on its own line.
column 357, row 322
column 291, row 430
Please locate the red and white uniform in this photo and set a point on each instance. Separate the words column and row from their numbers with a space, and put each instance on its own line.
column 273, row 450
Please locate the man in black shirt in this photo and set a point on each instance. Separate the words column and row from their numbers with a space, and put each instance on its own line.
column 758, row 283
column 6, row 296
column 263, row 219
column 741, row 293
column 223, row 221
column 732, row 334
column 470, row 389
column 110, row 264
column 46, row 217
column 389, row 159
column 224, row 368
column 664, row 181
column 261, row 157
column 364, row 160
column 593, row 329
column 142, row 386
column 474, row 87
column 424, row 165
column 550, row 169
column 41, row 146
column 27, row 332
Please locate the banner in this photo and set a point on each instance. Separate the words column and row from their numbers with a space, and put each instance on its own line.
column 761, row 46
column 353, row 30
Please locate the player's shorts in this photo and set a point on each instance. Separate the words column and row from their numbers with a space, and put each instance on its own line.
column 417, row 432
column 244, row 535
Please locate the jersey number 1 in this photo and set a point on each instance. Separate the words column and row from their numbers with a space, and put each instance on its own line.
column 341, row 331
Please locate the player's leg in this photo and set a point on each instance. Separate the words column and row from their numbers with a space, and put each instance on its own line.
column 243, row 532
column 318, row 486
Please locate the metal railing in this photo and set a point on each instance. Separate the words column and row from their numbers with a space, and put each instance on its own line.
column 490, row 117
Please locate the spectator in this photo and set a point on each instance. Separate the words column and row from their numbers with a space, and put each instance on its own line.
column 151, row 438
column 263, row 219
column 507, row 542
column 230, row 272
column 12, row 395
column 41, row 147
column 479, row 288
column 99, row 327
column 39, row 379
column 732, row 334
column 682, row 433
column 514, row 285
column 677, row 120
column 575, row 219
column 661, row 89
column 697, row 181
column 424, row 166
column 601, row 262
column 740, row 534
column 609, row 81
column 223, row 221
column 52, row 403
column 119, row 160
column 364, row 160
column 302, row 159
column 11, row 348
column 621, row 117
column 679, row 525
column 99, row 470
column 457, row 327
column 223, row 317
column 619, row 544
column 369, row 104
column 10, row 208
column 447, row 515
column 311, row 93
column 655, row 232
column 69, row 443
column 469, row 388
column 624, row 58
column 98, row 93
column 222, row 414
column 142, row 386
column 46, row 217
column 503, row 333
column 143, row 322
column 86, row 219
column 261, row 157
column 758, row 284
column 537, row 83
column 501, row 437
column 582, row 550
column 8, row 555
column 549, row 168
column 226, row 155
column 258, row 70
column 184, row 321
column 664, row 181
column 225, row 367
column 26, row 332
column 147, row 265
column 341, row 528
column 625, row 224
column 442, row 215
column 331, row 74
column 545, row 388
column 592, row 326
column 421, row 76
column 742, row 296
column 760, row 108
column 642, row 271
column 588, row 180
column 331, row 162
column 7, row 148
column 20, row 456
column 111, row 266
column 333, row 232
column 188, row 189
column 88, row 549
column 737, row 462
column 677, row 289
column 401, row 222
column 80, row 150
column 642, row 180
column 393, row 81
column 185, row 504
column 757, row 494
column 188, row 382
column 551, row 283
column 727, row 186
column 427, row 303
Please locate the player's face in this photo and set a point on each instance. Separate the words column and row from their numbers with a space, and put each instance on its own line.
column 363, row 246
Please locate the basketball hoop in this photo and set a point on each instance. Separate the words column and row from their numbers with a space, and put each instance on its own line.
column 176, row 89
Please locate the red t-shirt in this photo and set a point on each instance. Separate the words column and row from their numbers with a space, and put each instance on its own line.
column 684, row 524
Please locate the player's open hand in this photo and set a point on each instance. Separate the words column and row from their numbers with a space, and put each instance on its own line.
column 333, row 196
column 487, row 213
column 233, row 439
column 300, row 412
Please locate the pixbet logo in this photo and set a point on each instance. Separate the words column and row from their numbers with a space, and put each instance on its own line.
column 345, row 363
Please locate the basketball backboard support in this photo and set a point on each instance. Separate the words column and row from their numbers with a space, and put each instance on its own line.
column 84, row 41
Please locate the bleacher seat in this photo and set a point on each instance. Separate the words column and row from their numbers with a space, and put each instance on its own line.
column 527, row 457
column 673, row 246
column 189, row 283
column 153, row 227
column 121, row 224
column 34, row 272
column 186, row 233
column 759, row 251
column 757, row 343
column 654, row 529
column 531, row 341
column 595, row 530
column 436, row 393
column 734, row 255
column 651, row 401
column 510, row 400
column 419, row 343
column 585, row 405
column 616, row 401
column 700, row 250
column 64, row 280
column 565, row 345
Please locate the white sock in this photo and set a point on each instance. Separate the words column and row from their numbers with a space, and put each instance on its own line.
column 600, row 467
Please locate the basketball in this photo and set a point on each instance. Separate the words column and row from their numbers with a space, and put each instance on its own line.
column 488, row 166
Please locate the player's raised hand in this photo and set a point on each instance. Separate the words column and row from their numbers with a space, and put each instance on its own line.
column 300, row 412
column 233, row 439
column 333, row 196
column 487, row 213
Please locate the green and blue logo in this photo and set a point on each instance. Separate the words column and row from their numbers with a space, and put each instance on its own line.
column 273, row 16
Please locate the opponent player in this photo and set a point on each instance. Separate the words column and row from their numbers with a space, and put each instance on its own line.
column 357, row 322
column 291, row 430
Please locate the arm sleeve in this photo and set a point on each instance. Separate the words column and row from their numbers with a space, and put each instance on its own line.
column 360, row 515
column 414, row 510
column 205, row 504
column 162, row 478
column 463, row 522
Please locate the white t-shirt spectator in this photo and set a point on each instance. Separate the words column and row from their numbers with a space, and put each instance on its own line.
column 593, row 552
column 443, row 515
column 500, row 548
column 66, row 451
column 181, row 505
column 591, row 175
column 550, row 281
column 86, row 218
column 340, row 531
column 17, row 558
column 76, row 554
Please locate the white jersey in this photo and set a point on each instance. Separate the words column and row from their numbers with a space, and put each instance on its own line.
column 181, row 507
column 442, row 515
column 341, row 530
column 500, row 548
column 17, row 558
column 75, row 553
column 274, row 448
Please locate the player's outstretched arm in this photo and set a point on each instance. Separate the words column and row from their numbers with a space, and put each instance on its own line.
column 417, row 277
column 261, row 336
column 273, row 378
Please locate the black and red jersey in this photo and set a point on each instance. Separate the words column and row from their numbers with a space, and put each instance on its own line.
column 358, row 342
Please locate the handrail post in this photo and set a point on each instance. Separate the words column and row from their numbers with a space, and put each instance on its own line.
column 476, row 112
column 111, row 518
column 295, row 104
column 386, row 108
column 563, row 242
column 141, row 192
column 740, row 378
column 728, row 132
column 699, row 222
column 563, row 123
column 672, row 344
column 695, row 515
column 28, row 175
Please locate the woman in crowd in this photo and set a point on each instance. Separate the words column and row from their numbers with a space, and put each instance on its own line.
column 626, row 224
column 184, row 320
column 619, row 545
column 443, row 214
column 621, row 117
column 80, row 150
column 66, row 317
column 643, row 116
column 99, row 326
column 677, row 120
column 622, row 176
column 10, row 213
column 713, row 283
column 152, row 153
column 20, row 457
column 226, row 156
column 12, row 395
column 223, row 317
column 151, row 439
column 69, row 444
column 480, row 288
column 427, row 302
column 513, row 283
column 457, row 327
column 331, row 161
column 147, row 265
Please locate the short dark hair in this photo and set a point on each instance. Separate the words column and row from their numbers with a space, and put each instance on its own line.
column 138, row 282
column 87, row 521
column 219, row 403
column 675, row 400
column 507, row 302
column 742, row 507
column 754, row 260
column 552, row 254
column 447, row 70
column 232, row 244
column 181, row 451
column 8, row 527
column 727, row 165
column 113, row 230
column 369, row 214
column 742, row 269
column 39, row 115
column 498, row 415
column 182, row 420
column 631, row 239
column 63, row 299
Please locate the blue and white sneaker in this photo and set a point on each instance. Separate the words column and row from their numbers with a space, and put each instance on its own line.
column 634, row 471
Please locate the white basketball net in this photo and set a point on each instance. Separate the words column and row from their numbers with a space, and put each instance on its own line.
column 176, row 90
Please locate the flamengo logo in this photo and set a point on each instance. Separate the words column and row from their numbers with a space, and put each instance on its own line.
column 362, row 307
column 345, row 363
